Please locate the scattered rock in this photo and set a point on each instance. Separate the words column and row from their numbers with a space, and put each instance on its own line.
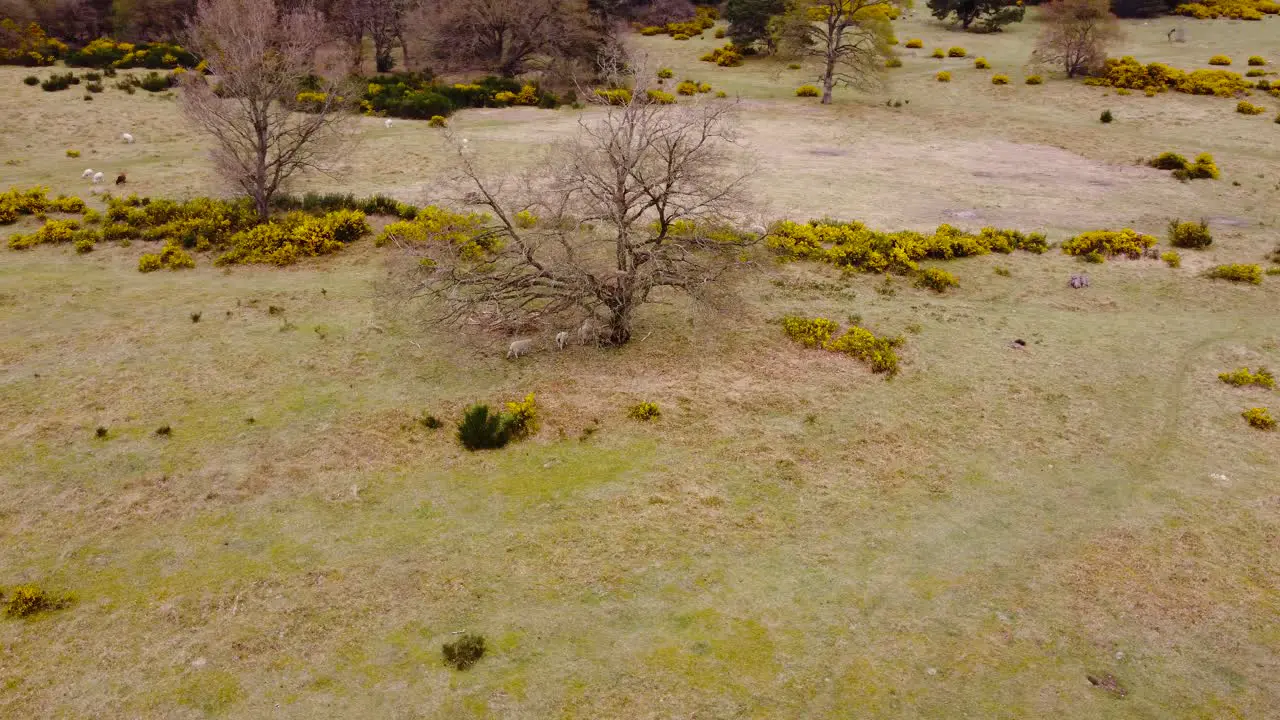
column 1079, row 281
column 1018, row 344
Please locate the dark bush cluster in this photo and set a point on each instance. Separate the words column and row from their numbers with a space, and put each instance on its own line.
column 105, row 52
column 24, row 601
column 1193, row 235
column 328, row 202
column 417, row 96
column 483, row 429
column 464, row 652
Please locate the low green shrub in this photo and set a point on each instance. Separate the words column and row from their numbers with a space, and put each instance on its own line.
column 482, row 429
column 659, row 97
column 1251, row 274
column 1256, row 72
column 943, row 76
column 644, row 411
column 793, row 66
column 956, row 52
column 156, row 82
column 810, row 332
column 1109, row 243
column 295, row 236
column 1203, row 168
column 982, row 64
column 53, row 232
column 1172, row 259
column 59, row 81
column 807, row 91
column 999, row 79
column 31, row 80
column 1193, row 235
column 1259, row 418
column 93, row 87
column 936, row 280
column 938, row 53
column 687, row 87
column 1169, row 161
column 915, row 43
column 616, row 96
column 464, row 652
column 1034, row 80
column 170, row 257
column 72, row 153
column 1003, row 271
column 1106, row 117
column 1257, row 60
column 1242, row 377
column 1244, row 107
column 25, row 601
column 521, row 418
column 1219, row 60
column 666, row 73
column 893, row 62
column 878, row 352
column 855, row 247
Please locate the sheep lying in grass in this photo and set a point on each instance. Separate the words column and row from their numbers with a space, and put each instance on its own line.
column 519, row 347
column 97, row 178
column 88, row 173
column 127, row 138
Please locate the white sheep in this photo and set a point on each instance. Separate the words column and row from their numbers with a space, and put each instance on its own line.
column 519, row 347
column 562, row 338
column 97, row 178
column 127, row 138
column 387, row 123
column 587, row 331
column 88, row 173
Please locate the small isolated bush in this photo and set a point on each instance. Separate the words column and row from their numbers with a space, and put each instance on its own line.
column 938, row 53
column 893, row 62
column 56, row 82
column 861, row 343
column 1106, row 117
column 957, row 52
column 437, row 121
column 807, row 91
column 1257, row 73
column 100, row 433
column 1257, row 60
column 999, row 79
column 687, row 87
column 31, row 80
column 73, row 153
column 429, row 421
column 93, row 87
column 1003, row 271
column 1169, row 161
column 915, row 43
column 660, row 97
column 1219, row 60
column 1193, row 235
column 28, row 600
column 943, row 76
column 615, row 96
column 1251, row 274
column 666, row 73
column 521, row 419
column 721, row 94
column 793, row 66
column 936, row 280
column 720, row 33
column 809, row 332
column 982, row 64
column 1108, row 243
column 704, row 87
column 482, row 429
column 1259, row 418
column 679, row 36
column 644, row 412
column 170, row 257
column 1034, row 80
column 464, row 652
column 651, row 30
column 156, row 82
column 1242, row 377
column 1172, row 259
column 1124, row 91
column 1202, row 169
column 1244, row 107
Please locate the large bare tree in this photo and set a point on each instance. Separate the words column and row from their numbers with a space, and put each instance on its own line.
column 851, row 38
column 1076, row 34
column 382, row 20
column 639, row 201
column 508, row 37
column 260, row 58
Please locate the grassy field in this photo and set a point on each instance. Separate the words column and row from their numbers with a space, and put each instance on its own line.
column 794, row 538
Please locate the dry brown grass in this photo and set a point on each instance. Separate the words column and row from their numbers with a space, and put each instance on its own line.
column 794, row 538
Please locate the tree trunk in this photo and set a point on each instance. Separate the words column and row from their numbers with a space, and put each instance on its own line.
column 828, row 80
column 620, row 323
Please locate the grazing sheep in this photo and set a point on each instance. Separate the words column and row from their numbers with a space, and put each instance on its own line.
column 121, row 179
column 519, row 347
column 387, row 122
column 562, row 338
column 587, row 331
column 127, row 138
column 1079, row 281
column 88, row 173
column 97, row 178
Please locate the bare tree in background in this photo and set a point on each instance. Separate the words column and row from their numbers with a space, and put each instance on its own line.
column 260, row 59
column 637, row 202
column 382, row 20
column 508, row 37
column 1075, row 35
column 850, row 37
